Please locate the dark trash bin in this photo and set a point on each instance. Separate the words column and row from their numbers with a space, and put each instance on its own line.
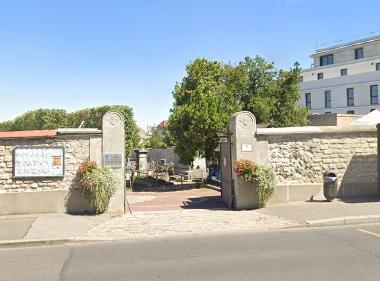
column 330, row 185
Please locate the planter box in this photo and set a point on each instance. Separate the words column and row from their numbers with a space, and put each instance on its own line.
column 245, row 195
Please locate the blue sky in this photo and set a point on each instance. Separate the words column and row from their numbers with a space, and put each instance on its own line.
column 74, row 54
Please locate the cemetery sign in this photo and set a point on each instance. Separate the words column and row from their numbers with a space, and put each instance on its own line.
column 38, row 162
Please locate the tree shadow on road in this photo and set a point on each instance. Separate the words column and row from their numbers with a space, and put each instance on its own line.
column 205, row 202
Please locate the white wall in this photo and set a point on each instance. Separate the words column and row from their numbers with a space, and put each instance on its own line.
column 332, row 71
column 156, row 154
column 338, row 87
column 346, row 54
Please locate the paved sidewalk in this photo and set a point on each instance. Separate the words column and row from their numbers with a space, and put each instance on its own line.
column 197, row 198
column 15, row 227
column 179, row 222
column 321, row 212
column 42, row 227
column 180, row 213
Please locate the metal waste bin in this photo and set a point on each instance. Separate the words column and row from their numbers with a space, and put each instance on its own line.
column 330, row 185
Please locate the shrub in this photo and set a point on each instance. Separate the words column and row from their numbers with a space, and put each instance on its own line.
column 57, row 118
column 97, row 185
column 263, row 177
column 93, row 119
column 265, row 183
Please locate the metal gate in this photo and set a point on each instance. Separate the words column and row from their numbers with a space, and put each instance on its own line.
column 226, row 170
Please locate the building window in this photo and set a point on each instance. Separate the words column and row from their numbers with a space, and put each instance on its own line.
column 326, row 60
column 343, row 72
column 359, row 53
column 320, row 76
column 378, row 66
column 374, row 90
column 350, row 97
column 328, row 99
column 350, row 111
column 308, row 100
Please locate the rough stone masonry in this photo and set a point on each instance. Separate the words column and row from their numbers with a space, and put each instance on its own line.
column 47, row 194
column 44, row 178
column 301, row 157
column 77, row 149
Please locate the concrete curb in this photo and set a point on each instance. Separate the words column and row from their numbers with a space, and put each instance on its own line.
column 339, row 221
column 32, row 243
column 11, row 244
column 344, row 221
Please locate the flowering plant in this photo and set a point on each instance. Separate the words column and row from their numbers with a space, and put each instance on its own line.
column 97, row 185
column 245, row 169
column 263, row 177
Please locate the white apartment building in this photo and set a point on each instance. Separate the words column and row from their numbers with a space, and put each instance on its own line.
column 343, row 78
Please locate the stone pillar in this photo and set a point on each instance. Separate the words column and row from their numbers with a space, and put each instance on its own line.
column 114, row 155
column 245, row 147
column 142, row 161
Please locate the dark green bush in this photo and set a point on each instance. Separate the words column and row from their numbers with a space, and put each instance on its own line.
column 41, row 119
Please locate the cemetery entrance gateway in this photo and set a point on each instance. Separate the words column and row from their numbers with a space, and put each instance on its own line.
column 226, row 169
column 241, row 144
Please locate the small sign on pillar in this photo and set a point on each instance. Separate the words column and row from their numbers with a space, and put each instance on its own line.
column 246, row 147
column 112, row 160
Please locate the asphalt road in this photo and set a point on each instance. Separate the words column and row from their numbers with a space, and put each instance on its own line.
column 336, row 253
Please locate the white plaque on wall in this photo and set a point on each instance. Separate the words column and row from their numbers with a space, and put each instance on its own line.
column 246, row 147
column 38, row 162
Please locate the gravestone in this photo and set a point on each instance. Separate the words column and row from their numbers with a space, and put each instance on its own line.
column 114, row 155
column 142, row 162
column 244, row 146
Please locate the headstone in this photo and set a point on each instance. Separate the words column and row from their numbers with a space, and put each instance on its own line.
column 114, row 155
column 142, row 161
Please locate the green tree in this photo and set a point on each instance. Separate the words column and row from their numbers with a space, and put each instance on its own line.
column 285, row 110
column 155, row 140
column 201, row 110
column 92, row 118
column 57, row 118
column 211, row 91
column 40, row 119
column 256, row 96
column 167, row 139
column 6, row 126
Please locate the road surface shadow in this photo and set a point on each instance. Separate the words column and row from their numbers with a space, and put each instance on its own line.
column 205, row 202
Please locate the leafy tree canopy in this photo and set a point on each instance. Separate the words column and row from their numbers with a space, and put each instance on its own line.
column 155, row 140
column 41, row 119
column 211, row 91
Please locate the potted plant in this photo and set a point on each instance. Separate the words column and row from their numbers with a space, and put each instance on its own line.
column 262, row 178
column 97, row 185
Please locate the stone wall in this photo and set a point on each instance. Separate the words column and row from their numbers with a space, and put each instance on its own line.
column 299, row 156
column 156, row 154
column 49, row 194
column 77, row 149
